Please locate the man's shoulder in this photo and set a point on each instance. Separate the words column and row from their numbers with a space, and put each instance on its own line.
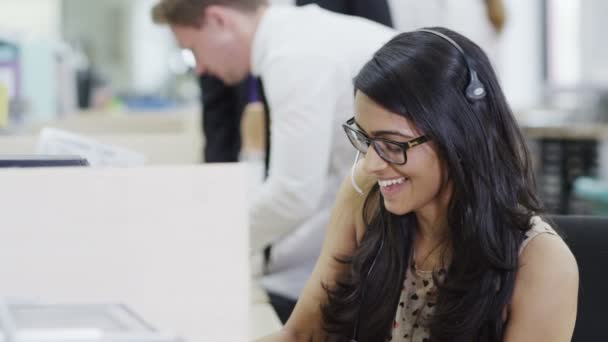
column 314, row 25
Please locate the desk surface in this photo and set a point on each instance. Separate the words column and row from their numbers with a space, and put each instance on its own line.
column 554, row 123
column 170, row 242
column 568, row 132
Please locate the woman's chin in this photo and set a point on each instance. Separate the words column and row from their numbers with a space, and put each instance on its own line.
column 395, row 208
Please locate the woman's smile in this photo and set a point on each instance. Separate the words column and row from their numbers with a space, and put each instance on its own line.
column 390, row 188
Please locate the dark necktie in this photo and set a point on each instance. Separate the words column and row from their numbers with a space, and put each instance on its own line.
column 266, row 127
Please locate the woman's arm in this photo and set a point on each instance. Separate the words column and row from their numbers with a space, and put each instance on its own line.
column 345, row 229
column 544, row 301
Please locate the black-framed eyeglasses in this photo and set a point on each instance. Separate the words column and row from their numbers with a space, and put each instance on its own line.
column 392, row 152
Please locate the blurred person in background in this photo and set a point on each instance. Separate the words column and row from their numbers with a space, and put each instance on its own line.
column 377, row 10
column 306, row 57
column 223, row 105
column 482, row 21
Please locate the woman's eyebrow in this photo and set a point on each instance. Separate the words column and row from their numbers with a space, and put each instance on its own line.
column 359, row 126
column 384, row 132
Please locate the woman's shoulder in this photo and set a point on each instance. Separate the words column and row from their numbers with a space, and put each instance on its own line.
column 537, row 227
column 542, row 246
column 544, row 260
column 546, row 283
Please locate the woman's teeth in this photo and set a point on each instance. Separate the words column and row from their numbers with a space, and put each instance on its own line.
column 385, row 183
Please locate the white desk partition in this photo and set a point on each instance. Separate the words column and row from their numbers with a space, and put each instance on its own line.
column 170, row 242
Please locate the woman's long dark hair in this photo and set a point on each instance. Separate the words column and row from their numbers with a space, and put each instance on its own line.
column 423, row 78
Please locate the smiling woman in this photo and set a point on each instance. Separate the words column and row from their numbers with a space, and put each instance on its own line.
column 448, row 242
column 414, row 171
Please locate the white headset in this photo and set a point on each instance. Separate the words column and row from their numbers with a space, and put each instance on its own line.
column 352, row 175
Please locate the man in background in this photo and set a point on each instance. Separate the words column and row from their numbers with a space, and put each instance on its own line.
column 223, row 105
column 306, row 58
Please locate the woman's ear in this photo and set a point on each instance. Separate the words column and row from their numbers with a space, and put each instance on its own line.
column 446, row 174
column 446, row 170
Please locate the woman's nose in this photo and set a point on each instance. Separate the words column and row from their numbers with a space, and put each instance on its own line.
column 372, row 163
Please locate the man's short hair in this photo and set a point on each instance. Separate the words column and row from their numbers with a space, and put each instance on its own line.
column 188, row 12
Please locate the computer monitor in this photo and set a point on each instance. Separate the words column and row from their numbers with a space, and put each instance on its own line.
column 41, row 161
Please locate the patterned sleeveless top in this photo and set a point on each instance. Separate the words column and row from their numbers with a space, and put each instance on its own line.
column 419, row 295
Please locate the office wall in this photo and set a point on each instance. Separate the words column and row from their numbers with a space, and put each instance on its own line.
column 100, row 28
column 594, row 50
column 35, row 26
column 122, row 41
column 577, row 54
column 150, row 50
column 33, row 18
column 516, row 53
column 521, row 54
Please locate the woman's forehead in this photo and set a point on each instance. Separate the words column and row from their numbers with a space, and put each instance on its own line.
column 371, row 116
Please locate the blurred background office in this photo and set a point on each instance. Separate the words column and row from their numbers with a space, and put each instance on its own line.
column 100, row 80
column 102, row 69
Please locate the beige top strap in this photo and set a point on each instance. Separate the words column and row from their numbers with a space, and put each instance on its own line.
column 537, row 227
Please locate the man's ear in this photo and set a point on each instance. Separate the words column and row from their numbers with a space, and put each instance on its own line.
column 215, row 16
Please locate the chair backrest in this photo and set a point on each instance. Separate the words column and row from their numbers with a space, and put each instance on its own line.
column 587, row 237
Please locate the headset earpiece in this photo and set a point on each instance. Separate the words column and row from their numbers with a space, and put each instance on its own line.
column 475, row 90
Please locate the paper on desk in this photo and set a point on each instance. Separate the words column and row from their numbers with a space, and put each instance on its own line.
column 57, row 142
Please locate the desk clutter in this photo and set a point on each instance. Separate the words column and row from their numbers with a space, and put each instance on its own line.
column 561, row 162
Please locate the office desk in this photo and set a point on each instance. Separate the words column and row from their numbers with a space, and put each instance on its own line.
column 170, row 242
column 264, row 319
column 567, row 132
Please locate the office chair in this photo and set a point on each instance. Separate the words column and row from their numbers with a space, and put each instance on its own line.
column 587, row 237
